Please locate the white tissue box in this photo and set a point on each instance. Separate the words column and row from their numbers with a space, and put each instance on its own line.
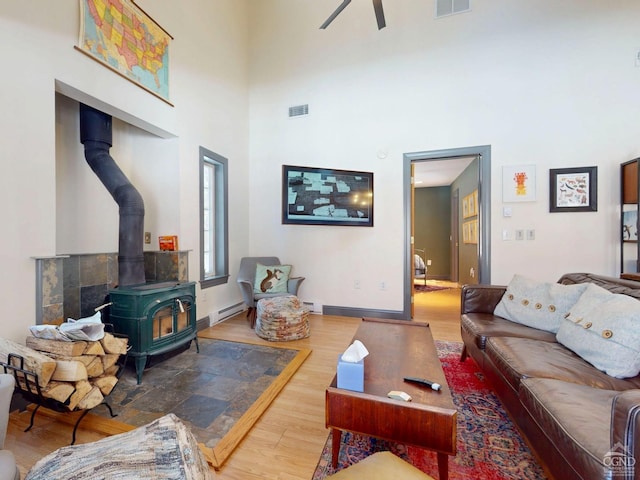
column 351, row 375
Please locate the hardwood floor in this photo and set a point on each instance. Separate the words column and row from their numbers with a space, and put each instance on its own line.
column 286, row 442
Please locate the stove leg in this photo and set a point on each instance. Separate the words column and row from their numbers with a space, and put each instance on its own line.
column 197, row 344
column 141, row 362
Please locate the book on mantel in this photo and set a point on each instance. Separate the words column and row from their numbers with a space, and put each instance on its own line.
column 168, row 243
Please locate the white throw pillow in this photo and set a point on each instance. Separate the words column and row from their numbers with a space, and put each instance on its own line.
column 540, row 305
column 604, row 329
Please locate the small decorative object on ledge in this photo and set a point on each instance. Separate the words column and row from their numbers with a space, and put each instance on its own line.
column 169, row 243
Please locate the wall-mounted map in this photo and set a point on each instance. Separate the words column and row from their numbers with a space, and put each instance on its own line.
column 123, row 37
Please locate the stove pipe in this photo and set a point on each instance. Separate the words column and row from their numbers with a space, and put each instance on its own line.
column 95, row 135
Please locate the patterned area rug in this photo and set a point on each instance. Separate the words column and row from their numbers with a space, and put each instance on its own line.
column 218, row 393
column 489, row 446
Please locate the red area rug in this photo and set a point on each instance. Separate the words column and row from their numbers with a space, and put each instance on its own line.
column 489, row 446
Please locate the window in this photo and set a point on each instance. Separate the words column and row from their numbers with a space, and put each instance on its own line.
column 214, row 245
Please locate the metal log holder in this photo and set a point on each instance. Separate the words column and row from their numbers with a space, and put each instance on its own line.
column 28, row 385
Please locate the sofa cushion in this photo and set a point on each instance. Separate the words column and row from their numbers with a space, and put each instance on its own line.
column 271, row 278
column 481, row 326
column 604, row 329
column 536, row 304
column 575, row 418
column 518, row 358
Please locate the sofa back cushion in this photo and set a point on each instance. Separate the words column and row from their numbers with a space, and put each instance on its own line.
column 604, row 329
column 537, row 304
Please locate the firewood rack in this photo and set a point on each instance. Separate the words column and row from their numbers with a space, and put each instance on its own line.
column 28, row 385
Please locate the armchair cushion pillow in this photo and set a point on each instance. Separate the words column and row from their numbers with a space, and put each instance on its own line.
column 537, row 304
column 604, row 329
column 271, row 278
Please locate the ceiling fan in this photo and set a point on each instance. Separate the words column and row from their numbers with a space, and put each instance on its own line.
column 377, row 6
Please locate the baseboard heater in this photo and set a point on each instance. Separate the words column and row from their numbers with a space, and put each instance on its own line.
column 226, row 312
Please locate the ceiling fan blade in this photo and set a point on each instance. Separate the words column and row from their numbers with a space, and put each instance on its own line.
column 377, row 6
column 341, row 7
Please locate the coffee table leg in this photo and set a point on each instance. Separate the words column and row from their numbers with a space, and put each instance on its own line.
column 336, row 438
column 443, row 466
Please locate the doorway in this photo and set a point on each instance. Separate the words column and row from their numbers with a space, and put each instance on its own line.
column 483, row 155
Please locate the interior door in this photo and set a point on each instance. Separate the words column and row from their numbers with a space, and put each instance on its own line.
column 455, row 236
column 411, row 266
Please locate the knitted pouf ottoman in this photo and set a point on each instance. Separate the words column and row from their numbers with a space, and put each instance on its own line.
column 281, row 319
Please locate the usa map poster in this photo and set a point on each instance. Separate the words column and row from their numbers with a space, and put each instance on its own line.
column 123, row 37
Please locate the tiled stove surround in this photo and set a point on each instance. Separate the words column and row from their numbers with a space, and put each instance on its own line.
column 72, row 286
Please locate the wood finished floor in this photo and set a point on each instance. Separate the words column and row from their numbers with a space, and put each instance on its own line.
column 286, row 442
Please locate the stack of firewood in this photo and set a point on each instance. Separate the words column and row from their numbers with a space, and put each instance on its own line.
column 78, row 374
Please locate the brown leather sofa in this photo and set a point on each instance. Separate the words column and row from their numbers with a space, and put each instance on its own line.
column 580, row 422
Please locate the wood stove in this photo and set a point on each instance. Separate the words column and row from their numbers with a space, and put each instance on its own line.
column 157, row 318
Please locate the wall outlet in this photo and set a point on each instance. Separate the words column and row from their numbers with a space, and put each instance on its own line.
column 383, row 285
column 147, row 237
column 429, row 263
column 356, row 284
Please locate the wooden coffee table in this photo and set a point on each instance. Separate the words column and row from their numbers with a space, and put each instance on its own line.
column 397, row 349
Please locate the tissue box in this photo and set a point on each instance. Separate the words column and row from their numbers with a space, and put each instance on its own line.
column 351, row 375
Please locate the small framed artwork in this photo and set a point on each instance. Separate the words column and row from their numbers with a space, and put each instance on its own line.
column 630, row 226
column 324, row 196
column 573, row 189
column 519, row 183
column 470, row 232
column 465, row 232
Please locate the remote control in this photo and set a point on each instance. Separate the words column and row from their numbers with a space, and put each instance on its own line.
column 423, row 381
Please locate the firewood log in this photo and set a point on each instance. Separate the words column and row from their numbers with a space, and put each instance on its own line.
column 57, row 347
column 112, row 370
column 82, row 388
column 69, row 371
column 84, row 359
column 91, row 399
column 105, row 383
column 34, row 361
column 59, row 391
column 95, row 368
column 109, row 359
column 113, row 344
column 94, row 348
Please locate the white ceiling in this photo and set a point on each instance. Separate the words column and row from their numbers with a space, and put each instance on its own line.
column 439, row 172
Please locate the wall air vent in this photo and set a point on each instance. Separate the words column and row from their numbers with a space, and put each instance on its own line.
column 299, row 110
column 444, row 8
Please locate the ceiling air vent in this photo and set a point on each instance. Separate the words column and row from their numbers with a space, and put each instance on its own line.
column 444, row 8
column 299, row 110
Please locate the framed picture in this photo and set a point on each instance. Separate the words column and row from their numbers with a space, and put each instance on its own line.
column 519, row 183
column 573, row 189
column 630, row 226
column 324, row 196
column 470, row 232
column 470, row 205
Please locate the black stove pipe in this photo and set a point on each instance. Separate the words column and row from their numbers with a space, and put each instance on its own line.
column 96, row 136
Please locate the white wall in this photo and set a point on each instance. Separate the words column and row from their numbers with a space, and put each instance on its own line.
column 208, row 86
column 547, row 83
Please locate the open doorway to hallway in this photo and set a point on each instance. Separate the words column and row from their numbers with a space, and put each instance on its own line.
column 467, row 232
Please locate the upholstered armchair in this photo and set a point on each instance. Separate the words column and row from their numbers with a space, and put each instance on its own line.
column 246, row 281
column 8, row 467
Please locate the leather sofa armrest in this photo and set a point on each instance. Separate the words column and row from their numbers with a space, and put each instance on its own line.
column 481, row 298
column 625, row 423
